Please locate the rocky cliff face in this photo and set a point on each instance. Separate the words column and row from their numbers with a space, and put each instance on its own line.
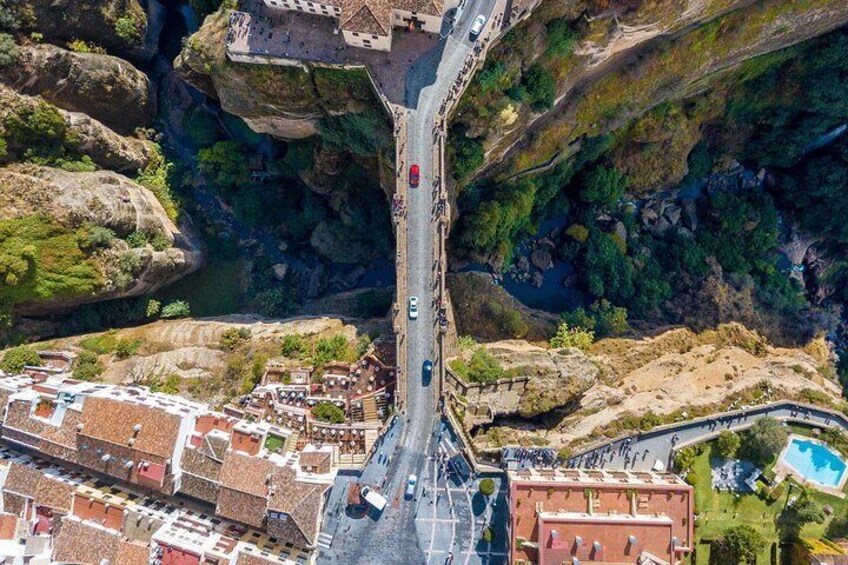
column 74, row 202
column 106, row 88
column 285, row 102
column 631, row 58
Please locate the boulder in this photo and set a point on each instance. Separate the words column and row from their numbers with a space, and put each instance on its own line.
column 689, row 213
column 537, row 279
column 661, row 227
column 648, row 214
column 542, row 259
column 672, row 214
column 280, row 271
column 317, row 281
column 620, row 230
column 106, row 88
column 104, row 199
column 523, row 264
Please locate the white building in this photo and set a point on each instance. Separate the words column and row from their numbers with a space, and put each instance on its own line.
column 368, row 23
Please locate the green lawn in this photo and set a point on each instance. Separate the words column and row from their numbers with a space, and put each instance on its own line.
column 718, row 511
column 274, row 443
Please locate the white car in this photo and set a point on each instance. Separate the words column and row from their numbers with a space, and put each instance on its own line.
column 410, row 486
column 478, row 24
column 413, row 307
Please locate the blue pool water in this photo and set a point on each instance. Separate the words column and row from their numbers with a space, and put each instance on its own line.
column 815, row 462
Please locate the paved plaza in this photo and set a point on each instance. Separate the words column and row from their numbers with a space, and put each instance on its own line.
column 259, row 30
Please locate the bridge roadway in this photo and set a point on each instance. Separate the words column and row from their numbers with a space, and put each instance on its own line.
column 391, row 539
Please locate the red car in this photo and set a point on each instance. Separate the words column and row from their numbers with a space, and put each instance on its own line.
column 413, row 175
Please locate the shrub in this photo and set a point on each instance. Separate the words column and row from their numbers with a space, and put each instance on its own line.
column 578, row 233
column 160, row 242
column 126, row 347
column 88, row 366
column 158, row 177
column 292, row 346
column 487, row 487
column 488, row 534
column 16, row 358
column 233, row 338
column 136, row 239
column 482, row 368
column 331, row 349
column 572, row 337
column 80, row 46
column 176, row 309
column 152, row 309
column 9, row 51
column 127, row 28
column 276, row 302
column 98, row 236
column 327, row 412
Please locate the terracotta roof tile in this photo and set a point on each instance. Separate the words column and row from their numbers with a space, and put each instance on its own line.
column 246, row 474
column 316, row 461
column 302, row 501
column 55, row 494
column 242, row 507
column 22, row 480
column 80, row 542
column 114, row 421
column 366, row 16
column 8, row 526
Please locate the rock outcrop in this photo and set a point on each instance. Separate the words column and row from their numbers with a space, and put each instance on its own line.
column 106, row 88
column 106, row 148
column 557, row 377
column 71, row 201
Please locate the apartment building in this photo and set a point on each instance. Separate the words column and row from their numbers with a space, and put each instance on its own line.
column 572, row 516
column 368, row 23
column 129, row 434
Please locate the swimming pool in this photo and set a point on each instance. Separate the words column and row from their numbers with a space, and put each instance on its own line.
column 815, row 462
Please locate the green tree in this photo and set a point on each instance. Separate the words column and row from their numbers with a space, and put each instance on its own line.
column 764, row 440
column 487, row 487
column 728, row 443
column 684, row 459
column 607, row 271
column 540, row 86
column 292, row 346
column 225, row 165
column 572, row 337
column 16, row 358
column 604, row 186
column 327, row 412
column 562, row 37
column 740, row 544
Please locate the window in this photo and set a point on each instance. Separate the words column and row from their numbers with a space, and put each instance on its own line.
column 355, row 34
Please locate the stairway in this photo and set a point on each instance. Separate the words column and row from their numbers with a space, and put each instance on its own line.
column 325, row 540
column 369, row 409
column 291, row 442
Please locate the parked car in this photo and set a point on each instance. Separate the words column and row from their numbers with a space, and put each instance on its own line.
column 477, row 26
column 375, row 499
column 413, row 307
column 427, row 370
column 414, row 174
column 410, row 486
